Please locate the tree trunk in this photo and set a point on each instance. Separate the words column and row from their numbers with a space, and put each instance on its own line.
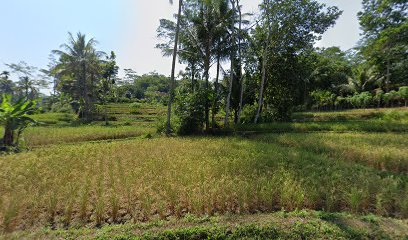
column 387, row 84
column 261, row 90
column 8, row 139
column 215, row 102
column 84, row 94
column 192, row 76
column 207, row 78
column 228, row 103
column 241, row 96
column 173, row 70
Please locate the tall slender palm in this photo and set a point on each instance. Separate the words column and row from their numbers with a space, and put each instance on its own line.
column 79, row 60
column 241, row 94
column 233, row 38
column 210, row 22
column 173, row 67
column 265, row 53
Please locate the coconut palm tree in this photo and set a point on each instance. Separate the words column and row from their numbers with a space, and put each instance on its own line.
column 173, row 67
column 79, row 59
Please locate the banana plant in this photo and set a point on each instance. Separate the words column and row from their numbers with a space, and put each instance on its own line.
column 15, row 118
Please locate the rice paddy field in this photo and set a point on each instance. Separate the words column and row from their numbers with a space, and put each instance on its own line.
column 328, row 175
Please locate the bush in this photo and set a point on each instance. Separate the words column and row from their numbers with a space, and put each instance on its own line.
column 361, row 100
column 135, row 105
column 323, row 99
column 403, row 93
column 124, row 100
column 340, row 102
column 364, row 99
column 379, row 96
column 161, row 124
column 391, row 97
column 61, row 107
column 278, row 114
column 190, row 109
column 248, row 114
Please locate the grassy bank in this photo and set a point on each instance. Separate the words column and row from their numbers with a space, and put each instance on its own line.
column 280, row 225
column 41, row 136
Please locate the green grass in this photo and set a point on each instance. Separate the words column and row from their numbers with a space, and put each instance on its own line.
column 363, row 120
column 353, row 161
column 382, row 151
column 280, row 225
column 342, row 126
column 62, row 128
column 40, row 136
column 354, row 115
column 60, row 119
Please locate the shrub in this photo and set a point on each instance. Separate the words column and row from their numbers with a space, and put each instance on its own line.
column 379, row 96
column 391, row 97
column 340, row 102
column 15, row 118
column 403, row 93
column 135, row 105
column 364, row 99
column 61, row 107
column 161, row 124
column 323, row 99
column 190, row 109
column 248, row 114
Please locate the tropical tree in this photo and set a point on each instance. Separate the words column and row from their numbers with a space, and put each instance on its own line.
column 288, row 30
column 232, row 70
column 203, row 39
column 6, row 85
column 30, row 82
column 364, row 78
column 15, row 118
column 384, row 44
column 78, row 70
column 109, row 73
column 331, row 69
column 173, row 67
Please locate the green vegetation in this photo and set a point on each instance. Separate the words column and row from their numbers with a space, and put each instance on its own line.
column 281, row 225
column 246, row 155
column 15, row 118
column 163, row 178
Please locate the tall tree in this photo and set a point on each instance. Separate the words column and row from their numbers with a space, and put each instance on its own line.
column 291, row 28
column 109, row 73
column 6, row 85
column 77, row 68
column 30, row 82
column 242, row 83
column 231, row 80
column 385, row 36
column 173, row 67
column 203, row 30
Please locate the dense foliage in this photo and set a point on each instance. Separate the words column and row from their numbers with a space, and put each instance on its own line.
column 275, row 67
column 14, row 117
column 266, row 66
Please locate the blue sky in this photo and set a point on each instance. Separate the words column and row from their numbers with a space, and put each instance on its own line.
column 32, row 28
